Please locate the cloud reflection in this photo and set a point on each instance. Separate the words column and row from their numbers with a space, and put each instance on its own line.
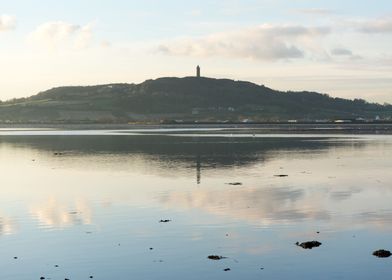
column 263, row 205
column 7, row 226
column 56, row 214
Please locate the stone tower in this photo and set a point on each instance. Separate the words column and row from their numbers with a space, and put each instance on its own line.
column 198, row 71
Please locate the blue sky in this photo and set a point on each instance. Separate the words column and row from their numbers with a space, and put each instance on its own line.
column 327, row 46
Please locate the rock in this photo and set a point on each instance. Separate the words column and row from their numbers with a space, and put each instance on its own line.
column 42, row 278
column 308, row 244
column 215, row 257
column 382, row 254
column 164, row 221
column 281, row 175
column 227, row 269
column 235, row 184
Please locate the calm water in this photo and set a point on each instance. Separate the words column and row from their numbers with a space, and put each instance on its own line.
column 94, row 209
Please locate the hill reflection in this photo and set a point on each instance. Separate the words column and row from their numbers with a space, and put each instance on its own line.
column 168, row 152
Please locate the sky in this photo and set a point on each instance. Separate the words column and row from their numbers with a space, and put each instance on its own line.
column 342, row 48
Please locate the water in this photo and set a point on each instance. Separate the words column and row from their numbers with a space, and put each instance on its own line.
column 94, row 209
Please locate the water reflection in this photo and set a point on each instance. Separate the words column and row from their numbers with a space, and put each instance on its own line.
column 56, row 214
column 7, row 226
column 160, row 153
column 263, row 199
column 263, row 206
column 123, row 185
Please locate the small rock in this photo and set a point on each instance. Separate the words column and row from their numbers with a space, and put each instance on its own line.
column 227, row 269
column 235, row 184
column 151, row 248
column 215, row 257
column 56, row 265
column 164, row 221
column 382, row 254
column 281, row 175
column 15, row 258
column 308, row 244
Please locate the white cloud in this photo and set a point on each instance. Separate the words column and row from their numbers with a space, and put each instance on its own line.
column 7, row 22
column 341, row 52
column 84, row 36
column 60, row 34
column 264, row 42
column 316, row 11
column 376, row 26
column 345, row 53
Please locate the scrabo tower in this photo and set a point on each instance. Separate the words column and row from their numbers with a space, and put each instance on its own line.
column 198, row 71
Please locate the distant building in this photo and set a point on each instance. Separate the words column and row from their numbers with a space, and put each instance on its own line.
column 198, row 71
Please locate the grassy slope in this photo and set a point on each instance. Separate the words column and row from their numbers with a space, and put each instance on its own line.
column 179, row 96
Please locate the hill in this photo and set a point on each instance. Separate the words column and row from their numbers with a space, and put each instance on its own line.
column 185, row 99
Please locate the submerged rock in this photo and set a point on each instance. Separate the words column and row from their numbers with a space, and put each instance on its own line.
column 308, row 244
column 215, row 257
column 382, row 254
column 235, row 184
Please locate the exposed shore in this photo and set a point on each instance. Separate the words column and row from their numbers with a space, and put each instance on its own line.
column 373, row 128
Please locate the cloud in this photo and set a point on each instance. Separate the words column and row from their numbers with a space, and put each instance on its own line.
column 341, row 52
column 316, row 11
column 58, row 34
column 345, row 53
column 7, row 23
column 375, row 26
column 264, row 42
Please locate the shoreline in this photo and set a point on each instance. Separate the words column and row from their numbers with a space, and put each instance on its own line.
column 267, row 128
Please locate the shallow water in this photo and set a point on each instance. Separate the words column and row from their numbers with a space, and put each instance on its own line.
column 94, row 209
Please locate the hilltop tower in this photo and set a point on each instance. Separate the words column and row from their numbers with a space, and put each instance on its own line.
column 198, row 71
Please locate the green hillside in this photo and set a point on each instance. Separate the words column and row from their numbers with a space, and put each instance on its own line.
column 186, row 99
